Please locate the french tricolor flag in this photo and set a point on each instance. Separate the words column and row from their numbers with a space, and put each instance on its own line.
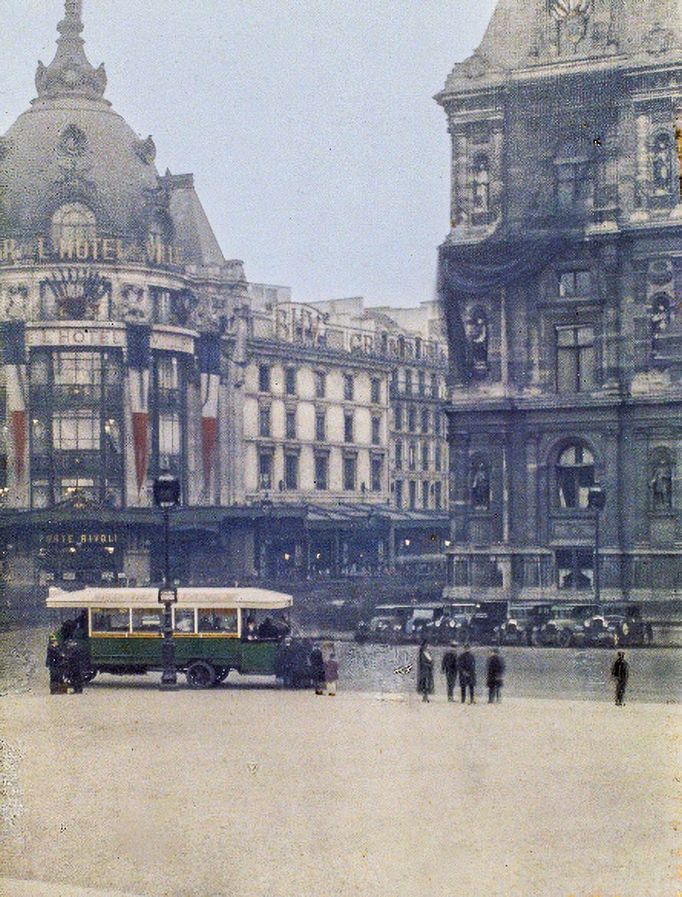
column 13, row 344
column 138, row 384
column 208, row 351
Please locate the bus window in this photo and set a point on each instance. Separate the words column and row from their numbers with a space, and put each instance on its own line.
column 146, row 620
column 110, row 619
column 223, row 621
column 184, row 620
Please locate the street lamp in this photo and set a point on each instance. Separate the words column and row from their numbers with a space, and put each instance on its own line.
column 596, row 499
column 167, row 496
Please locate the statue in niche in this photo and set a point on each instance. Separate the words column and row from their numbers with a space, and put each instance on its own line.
column 480, row 486
column 660, row 315
column 481, row 184
column 478, row 340
column 661, row 164
column 661, row 485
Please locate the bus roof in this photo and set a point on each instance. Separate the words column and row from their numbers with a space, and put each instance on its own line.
column 254, row 599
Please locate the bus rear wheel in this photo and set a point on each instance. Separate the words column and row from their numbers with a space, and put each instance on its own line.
column 200, row 674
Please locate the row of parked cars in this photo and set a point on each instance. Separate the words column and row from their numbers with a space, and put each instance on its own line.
column 501, row 623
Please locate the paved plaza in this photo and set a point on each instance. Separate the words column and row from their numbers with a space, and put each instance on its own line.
column 260, row 792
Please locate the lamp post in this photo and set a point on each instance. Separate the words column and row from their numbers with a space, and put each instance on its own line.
column 167, row 496
column 596, row 499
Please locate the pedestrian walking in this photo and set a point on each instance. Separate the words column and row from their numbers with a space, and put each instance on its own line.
column 317, row 670
column 495, row 677
column 467, row 674
column 74, row 663
column 620, row 671
column 449, row 667
column 331, row 674
column 55, row 664
column 425, row 672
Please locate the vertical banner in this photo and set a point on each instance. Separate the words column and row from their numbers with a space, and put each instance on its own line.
column 13, row 347
column 138, row 383
column 208, row 351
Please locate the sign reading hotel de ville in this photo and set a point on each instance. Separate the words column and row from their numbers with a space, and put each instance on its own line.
column 14, row 251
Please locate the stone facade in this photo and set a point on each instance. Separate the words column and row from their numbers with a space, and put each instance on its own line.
column 561, row 278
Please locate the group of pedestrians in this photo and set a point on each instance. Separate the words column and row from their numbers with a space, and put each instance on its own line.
column 462, row 667
column 324, row 673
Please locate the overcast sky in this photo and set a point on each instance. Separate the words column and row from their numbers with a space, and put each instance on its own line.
column 317, row 149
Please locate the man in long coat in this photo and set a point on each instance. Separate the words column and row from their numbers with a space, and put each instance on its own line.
column 620, row 671
column 449, row 667
column 495, row 676
column 467, row 674
column 425, row 672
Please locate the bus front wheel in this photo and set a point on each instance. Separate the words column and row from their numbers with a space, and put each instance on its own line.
column 221, row 674
column 200, row 674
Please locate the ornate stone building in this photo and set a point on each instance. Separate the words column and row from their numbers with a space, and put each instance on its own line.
column 122, row 328
column 561, row 279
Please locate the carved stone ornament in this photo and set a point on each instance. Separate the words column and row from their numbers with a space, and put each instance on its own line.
column 5, row 146
column 73, row 142
column 658, row 41
column 145, row 150
column 134, row 307
column 475, row 66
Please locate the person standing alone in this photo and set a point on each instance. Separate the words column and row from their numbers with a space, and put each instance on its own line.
column 620, row 671
column 449, row 667
column 495, row 677
column 331, row 673
column 425, row 672
column 467, row 674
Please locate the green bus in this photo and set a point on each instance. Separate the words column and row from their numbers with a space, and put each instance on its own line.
column 215, row 630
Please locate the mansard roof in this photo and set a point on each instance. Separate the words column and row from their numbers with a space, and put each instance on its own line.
column 529, row 38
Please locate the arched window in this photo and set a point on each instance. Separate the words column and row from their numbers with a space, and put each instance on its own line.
column 71, row 222
column 574, row 476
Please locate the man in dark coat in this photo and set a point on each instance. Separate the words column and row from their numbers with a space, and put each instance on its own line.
column 449, row 667
column 317, row 670
column 495, row 676
column 620, row 671
column 425, row 672
column 55, row 664
column 467, row 674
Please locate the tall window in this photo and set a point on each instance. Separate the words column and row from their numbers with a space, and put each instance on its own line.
column 434, row 386
column 348, row 387
column 426, row 420
column 411, row 420
column 425, row 456
column 421, row 383
column 575, row 284
column 291, row 472
column 76, row 430
column 264, row 421
column 575, row 359
column 399, row 455
column 264, row 378
column 438, row 495
column 408, row 382
column 425, row 494
column 575, row 568
column 398, row 493
column 413, row 495
column 481, row 184
column 73, row 222
column 376, row 474
column 375, row 390
column 265, row 470
column 437, row 456
column 412, row 456
column 376, row 430
column 574, row 476
column 290, row 381
column 348, row 427
column 320, row 426
column 291, row 425
column 170, row 440
column 320, row 384
column 78, row 369
column 350, row 466
column 398, row 416
column 321, row 472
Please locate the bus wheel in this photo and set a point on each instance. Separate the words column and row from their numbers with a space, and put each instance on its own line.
column 200, row 674
column 89, row 675
column 221, row 674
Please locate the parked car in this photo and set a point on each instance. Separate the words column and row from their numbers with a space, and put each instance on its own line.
column 485, row 622
column 565, row 627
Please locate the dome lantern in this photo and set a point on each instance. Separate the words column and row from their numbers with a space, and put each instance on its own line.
column 70, row 73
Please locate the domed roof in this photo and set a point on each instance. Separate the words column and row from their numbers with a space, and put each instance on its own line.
column 71, row 147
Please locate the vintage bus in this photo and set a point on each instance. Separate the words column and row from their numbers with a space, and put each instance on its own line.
column 215, row 630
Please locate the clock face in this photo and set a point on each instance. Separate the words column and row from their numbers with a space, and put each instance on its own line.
column 564, row 9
